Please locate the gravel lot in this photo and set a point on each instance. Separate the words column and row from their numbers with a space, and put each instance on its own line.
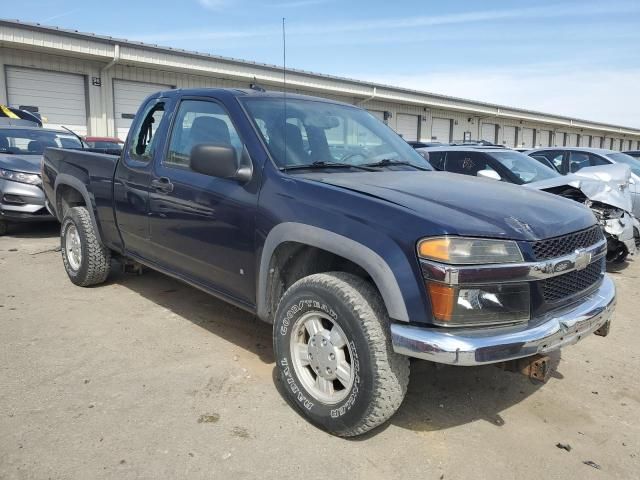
column 144, row 377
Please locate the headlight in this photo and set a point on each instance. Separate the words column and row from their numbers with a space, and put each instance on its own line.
column 469, row 251
column 30, row 178
column 479, row 305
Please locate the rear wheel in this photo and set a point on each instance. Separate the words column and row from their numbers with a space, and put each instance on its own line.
column 334, row 354
column 3, row 227
column 85, row 259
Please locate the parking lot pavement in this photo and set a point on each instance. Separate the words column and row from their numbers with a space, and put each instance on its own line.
column 144, row 377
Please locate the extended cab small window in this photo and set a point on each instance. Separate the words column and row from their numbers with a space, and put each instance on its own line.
column 200, row 122
column 144, row 139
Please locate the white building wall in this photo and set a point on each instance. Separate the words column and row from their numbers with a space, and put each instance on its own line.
column 20, row 58
column 3, row 84
column 190, row 71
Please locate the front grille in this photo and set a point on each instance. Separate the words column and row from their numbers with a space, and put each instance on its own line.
column 563, row 286
column 566, row 244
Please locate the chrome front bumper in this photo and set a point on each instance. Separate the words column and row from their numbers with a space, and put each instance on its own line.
column 491, row 345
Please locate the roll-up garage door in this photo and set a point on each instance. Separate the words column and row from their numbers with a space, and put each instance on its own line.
column 584, row 140
column 527, row 138
column 377, row 114
column 58, row 97
column 509, row 136
column 595, row 142
column 544, row 138
column 441, row 130
column 558, row 139
column 489, row 132
column 127, row 97
column 572, row 140
column 407, row 126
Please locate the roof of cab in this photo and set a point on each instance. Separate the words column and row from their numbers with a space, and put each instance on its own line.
column 245, row 93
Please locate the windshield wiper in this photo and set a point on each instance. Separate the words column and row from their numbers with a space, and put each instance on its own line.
column 320, row 164
column 387, row 162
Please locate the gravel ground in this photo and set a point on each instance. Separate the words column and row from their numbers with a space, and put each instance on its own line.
column 144, row 377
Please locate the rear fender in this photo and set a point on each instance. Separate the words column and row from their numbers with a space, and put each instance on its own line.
column 80, row 187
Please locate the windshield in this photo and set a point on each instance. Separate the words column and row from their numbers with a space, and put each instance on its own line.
column 33, row 141
column 525, row 168
column 317, row 133
column 628, row 159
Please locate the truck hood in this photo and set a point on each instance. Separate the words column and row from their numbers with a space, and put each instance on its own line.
column 21, row 163
column 465, row 205
column 608, row 184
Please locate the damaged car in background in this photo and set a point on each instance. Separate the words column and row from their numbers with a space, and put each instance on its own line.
column 604, row 189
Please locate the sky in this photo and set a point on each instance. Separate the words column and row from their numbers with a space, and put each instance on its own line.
column 579, row 57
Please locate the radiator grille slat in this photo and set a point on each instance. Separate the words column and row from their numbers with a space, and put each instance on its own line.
column 562, row 286
column 566, row 244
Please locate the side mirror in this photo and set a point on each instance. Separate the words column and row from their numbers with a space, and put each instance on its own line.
column 220, row 161
column 491, row 174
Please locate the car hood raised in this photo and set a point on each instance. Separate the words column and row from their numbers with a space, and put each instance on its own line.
column 465, row 205
column 21, row 163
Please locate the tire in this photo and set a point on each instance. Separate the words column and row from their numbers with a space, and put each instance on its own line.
column 4, row 227
column 77, row 234
column 378, row 376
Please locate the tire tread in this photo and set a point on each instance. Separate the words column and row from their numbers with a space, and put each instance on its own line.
column 390, row 370
column 98, row 256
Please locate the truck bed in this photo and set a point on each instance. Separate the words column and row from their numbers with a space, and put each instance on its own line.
column 92, row 175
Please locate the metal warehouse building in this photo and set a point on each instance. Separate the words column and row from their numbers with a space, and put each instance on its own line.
column 94, row 85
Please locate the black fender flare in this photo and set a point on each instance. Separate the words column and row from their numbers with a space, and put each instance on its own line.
column 356, row 252
column 76, row 184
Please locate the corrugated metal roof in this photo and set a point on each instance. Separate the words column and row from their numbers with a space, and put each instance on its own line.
column 501, row 109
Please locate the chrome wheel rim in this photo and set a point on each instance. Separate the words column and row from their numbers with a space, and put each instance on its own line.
column 322, row 357
column 72, row 247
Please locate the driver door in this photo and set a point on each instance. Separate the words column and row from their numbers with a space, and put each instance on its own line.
column 203, row 227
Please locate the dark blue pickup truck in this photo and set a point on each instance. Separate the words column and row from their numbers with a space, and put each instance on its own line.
column 321, row 220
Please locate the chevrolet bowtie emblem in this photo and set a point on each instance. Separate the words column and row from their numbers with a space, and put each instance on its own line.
column 583, row 259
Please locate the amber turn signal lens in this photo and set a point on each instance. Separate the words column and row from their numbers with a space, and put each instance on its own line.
column 442, row 300
column 435, row 249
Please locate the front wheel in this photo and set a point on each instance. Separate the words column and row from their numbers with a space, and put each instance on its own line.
column 3, row 227
column 334, row 354
column 85, row 259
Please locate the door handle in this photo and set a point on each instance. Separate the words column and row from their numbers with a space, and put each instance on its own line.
column 162, row 184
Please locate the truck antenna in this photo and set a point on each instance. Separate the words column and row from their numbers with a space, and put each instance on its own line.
column 284, row 86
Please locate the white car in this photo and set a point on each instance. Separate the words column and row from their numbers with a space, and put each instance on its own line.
column 572, row 159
